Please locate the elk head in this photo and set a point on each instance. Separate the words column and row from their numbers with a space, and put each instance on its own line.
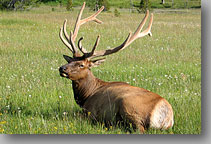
column 79, row 65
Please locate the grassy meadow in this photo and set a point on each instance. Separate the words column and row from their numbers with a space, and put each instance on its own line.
column 34, row 99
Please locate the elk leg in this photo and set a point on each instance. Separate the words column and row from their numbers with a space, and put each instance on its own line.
column 136, row 124
column 141, row 129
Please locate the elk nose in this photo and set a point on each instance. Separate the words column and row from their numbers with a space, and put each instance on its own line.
column 62, row 68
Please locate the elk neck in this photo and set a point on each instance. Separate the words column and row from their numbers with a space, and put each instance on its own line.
column 86, row 87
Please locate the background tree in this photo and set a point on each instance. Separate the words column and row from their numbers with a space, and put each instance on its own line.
column 144, row 6
column 116, row 13
column 69, row 6
column 96, row 4
column 18, row 4
column 104, row 3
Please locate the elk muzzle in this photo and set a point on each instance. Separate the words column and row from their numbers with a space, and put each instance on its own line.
column 62, row 71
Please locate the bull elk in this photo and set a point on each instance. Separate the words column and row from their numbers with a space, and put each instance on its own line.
column 111, row 101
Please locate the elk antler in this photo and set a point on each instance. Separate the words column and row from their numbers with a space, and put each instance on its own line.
column 130, row 38
column 69, row 41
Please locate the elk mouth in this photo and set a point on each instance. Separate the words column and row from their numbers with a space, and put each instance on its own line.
column 63, row 73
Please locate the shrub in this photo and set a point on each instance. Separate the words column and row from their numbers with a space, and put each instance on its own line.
column 96, row 4
column 144, row 6
column 116, row 13
column 69, row 6
column 18, row 4
column 104, row 3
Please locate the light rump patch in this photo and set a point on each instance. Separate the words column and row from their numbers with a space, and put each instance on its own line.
column 162, row 115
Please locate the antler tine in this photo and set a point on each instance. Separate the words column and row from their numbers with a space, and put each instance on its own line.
column 77, row 24
column 80, row 22
column 68, row 42
column 65, row 30
column 65, row 41
column 142, row 23
column 110, row 51
column 72, row 43
column 140, row 27
column 137, row 34
column 148, row 30
column 93, row 17
column 80, row 46
column 95, row 45
column 90, row 54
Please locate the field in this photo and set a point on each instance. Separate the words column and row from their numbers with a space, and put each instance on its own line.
column 34, row 99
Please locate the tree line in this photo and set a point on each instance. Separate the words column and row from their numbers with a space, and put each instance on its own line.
column 27, row 4
column 140, row 5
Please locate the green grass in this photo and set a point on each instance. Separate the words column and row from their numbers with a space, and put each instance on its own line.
column 35, row 99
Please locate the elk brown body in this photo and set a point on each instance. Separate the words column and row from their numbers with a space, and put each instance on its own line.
column 112, row 101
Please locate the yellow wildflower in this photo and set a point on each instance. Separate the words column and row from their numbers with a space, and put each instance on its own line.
column 3, row 122
column 0, row 114
column 65, row 129
column 1, row 130
column 55, row 128
column 106, row 129
column 71, row 125
column 89, row 113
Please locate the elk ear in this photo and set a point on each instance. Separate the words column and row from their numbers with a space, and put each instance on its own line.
column 67, row 58
column 95, row 63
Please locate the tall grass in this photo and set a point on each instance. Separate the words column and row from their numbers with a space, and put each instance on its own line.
column 35, row 99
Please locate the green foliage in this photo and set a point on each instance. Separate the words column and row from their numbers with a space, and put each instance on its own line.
column 96, row 4
column 69, row 5
column 116, row 13
column 18, row 4
column 144, row 6
column 91, row 4
column 104, row 3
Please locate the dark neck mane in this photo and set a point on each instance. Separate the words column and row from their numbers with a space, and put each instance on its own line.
column 86, row 87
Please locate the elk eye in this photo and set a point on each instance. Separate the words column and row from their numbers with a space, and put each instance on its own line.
column 81, row 66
